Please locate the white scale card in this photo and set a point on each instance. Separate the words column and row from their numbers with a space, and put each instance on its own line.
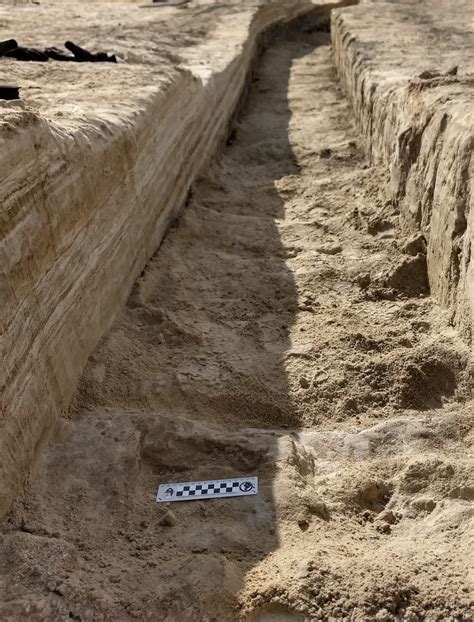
column 210, row 489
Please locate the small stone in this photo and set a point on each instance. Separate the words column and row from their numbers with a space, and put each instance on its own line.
column 27, row 528
column 199, row 549
column 60, row 589
column 51, row 585
column 429, row 74
column 303, row 571
column 387, row 516
column 378, row 224
column 325, row 153
column 329, row 249
column 319, row 508
column 363, row 280
column 414, row 245
column 424, row 504
column 304, row 382
column 410, row 616
column 452, row 71
column 168, row 519
column 383, row 528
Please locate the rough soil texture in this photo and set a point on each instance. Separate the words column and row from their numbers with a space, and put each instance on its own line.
column 408, row 71
column 95, row 161
column 284, row 329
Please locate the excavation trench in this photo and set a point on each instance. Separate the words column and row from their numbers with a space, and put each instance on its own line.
column 285, row 330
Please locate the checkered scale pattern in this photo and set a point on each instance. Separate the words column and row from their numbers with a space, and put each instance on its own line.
column 195, row 490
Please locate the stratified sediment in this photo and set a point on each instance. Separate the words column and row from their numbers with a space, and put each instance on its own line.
column 95, row 163
column 284, row 329
column 407, row 71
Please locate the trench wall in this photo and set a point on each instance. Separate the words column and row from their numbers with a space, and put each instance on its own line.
column 83, row 210
column 395, row 62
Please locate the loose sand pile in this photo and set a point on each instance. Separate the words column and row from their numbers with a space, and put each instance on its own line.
column 285, row 330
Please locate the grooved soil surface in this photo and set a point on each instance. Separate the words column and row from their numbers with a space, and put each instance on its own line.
column 284, row 330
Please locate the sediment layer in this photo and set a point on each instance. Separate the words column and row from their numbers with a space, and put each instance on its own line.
column 406, row 72
column 91, row 178
column 273, row 334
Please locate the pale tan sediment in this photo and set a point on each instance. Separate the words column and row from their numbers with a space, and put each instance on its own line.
column 419, row 118
column 94, row 165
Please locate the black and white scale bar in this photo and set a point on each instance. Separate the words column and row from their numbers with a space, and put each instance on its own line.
column 210, row 489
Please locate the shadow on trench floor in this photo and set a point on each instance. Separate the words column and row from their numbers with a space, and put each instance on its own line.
column 272, row 335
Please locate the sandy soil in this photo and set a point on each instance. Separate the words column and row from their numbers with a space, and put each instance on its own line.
column 285, row 330
column 148, row 43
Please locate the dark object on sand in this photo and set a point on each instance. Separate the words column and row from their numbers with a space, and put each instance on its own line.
column 84, row 56
column 7, row 46
column 57, row 54
column 163, row 3
column 430, row 74
column 80, row 54
column 10, row 49
column 9, row 91
column 27, row 54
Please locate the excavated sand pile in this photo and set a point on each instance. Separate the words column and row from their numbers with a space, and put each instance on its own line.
column 284, row 329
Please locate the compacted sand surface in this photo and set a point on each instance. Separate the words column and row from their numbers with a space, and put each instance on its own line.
column 284, row 329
